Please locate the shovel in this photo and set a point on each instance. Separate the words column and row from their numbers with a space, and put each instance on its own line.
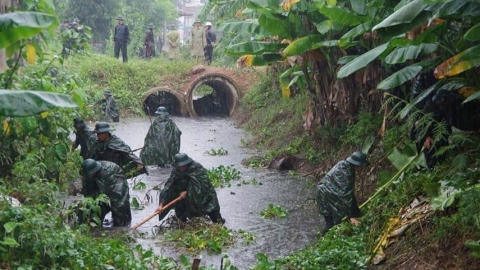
column 156, row 213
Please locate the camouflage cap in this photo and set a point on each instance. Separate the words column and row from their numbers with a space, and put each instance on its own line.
column 107, row 92
column 90, row 166
column 358, row 159
column 78, row 122
column 120, row 18
column 151, row 25
column 102, row 127
column 161, row 110
column 182, row 159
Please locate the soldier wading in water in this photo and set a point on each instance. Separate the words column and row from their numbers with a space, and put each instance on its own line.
column 189, row 180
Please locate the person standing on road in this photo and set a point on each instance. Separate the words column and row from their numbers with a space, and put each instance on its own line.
column 112, row 148
column 197, row 40
column 211, row 39
column 105, row 177
column 173, row 40
column 335, row 192
column 121, row 38
column 162, row 142
column 149, row 42
column 189, row 180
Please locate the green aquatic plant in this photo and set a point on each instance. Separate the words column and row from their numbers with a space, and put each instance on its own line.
column 274, row 211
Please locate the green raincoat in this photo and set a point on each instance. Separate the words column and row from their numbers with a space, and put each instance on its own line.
column 173, row 40
column 112, row 182
column 201, row 195
column 85, row 138
column 335, row 196
column 110, row 109
column 162, row 142
column 118, row 152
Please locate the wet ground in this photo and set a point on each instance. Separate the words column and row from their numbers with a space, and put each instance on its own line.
column 240, row 205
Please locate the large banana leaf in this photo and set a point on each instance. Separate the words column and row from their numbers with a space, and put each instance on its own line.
column 26, row 102
column 308, row 43
column 342, row 15
column 400, row 77
column 267, row 7
column 254, row 48
column 19, row 25
column 400, row 55
column 459, row 63
column 345, row 40
column 404, row 19
column 328, row 25
column 251, row 27
column 362, row 61
column 473, row 34
column 289, row 27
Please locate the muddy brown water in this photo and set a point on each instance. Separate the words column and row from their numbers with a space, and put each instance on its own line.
column 240, row 205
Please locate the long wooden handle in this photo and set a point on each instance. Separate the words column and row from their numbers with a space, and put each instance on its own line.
column 156, row 213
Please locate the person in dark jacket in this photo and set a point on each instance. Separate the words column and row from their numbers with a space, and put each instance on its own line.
column 211, row 39
column 112, row 148
column 335, row 192
column 84, row 137
column 189, row 180
column 105, row 177
column 121, row 38
column 149, row 42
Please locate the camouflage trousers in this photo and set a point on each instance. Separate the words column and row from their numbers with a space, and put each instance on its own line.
column 181, row 213
column 122, row 216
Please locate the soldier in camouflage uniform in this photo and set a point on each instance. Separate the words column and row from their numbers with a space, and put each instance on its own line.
column 189, row 180
column 162, row 142
column 109, row 107
column 112, row 148
column 105, row 177
column 335, row 192
column 84, row 137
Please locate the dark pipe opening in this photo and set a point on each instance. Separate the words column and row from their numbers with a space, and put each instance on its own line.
column 212, row 98
column 165, row 99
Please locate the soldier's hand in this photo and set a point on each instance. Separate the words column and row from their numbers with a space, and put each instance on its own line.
column 428, row 142
column 183, row 195
column 355, row 221
column 159, row 208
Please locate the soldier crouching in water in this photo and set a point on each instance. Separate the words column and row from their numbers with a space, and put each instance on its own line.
column 335, row 192
column 105, row 177
column 111, row 148
column 109, row 107
column 189, row 180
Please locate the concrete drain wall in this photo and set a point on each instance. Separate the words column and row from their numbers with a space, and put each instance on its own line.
column 222, row 102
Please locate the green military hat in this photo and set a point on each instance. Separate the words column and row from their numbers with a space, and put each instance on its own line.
column 358, row 159
column 90, row 166
column 102, row 127
column 197, row 21
column 120, row 18
column 172, row 26
column 76, row 20
column 151, row 25
column 78, row 122
column 161, row 110
column 107, row 92
column 182, row 159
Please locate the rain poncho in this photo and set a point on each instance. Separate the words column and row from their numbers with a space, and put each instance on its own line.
column 198, row 41
column 149, row 44
column 201, row 196
column 85, row 138
column 112, row 182
column 335, row 196
column 161, row 143
column 109, row 108
column 116, row 151
column 173, row 40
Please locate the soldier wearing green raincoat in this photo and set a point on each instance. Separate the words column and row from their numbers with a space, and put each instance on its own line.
column 189, row 181
column 335, row 192
column 105, row 177
column 111, row 148
column 173, row 41
column 84, row 137
column 109, row 107
column 162, row 142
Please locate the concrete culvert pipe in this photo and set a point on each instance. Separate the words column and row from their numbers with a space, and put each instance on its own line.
column 212, row 94
column 160, row 96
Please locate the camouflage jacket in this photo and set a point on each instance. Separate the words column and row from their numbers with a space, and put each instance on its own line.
column 111, row 108
column 85, row 138
column 201, row 195
column 111, row 182
column 335, row 196
column 162, row 142
column 115, row 150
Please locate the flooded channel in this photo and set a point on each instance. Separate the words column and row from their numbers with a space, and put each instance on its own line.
column 240, row 205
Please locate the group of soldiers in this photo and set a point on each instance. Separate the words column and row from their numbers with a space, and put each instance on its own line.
column 69, row 38
column 109, row 162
